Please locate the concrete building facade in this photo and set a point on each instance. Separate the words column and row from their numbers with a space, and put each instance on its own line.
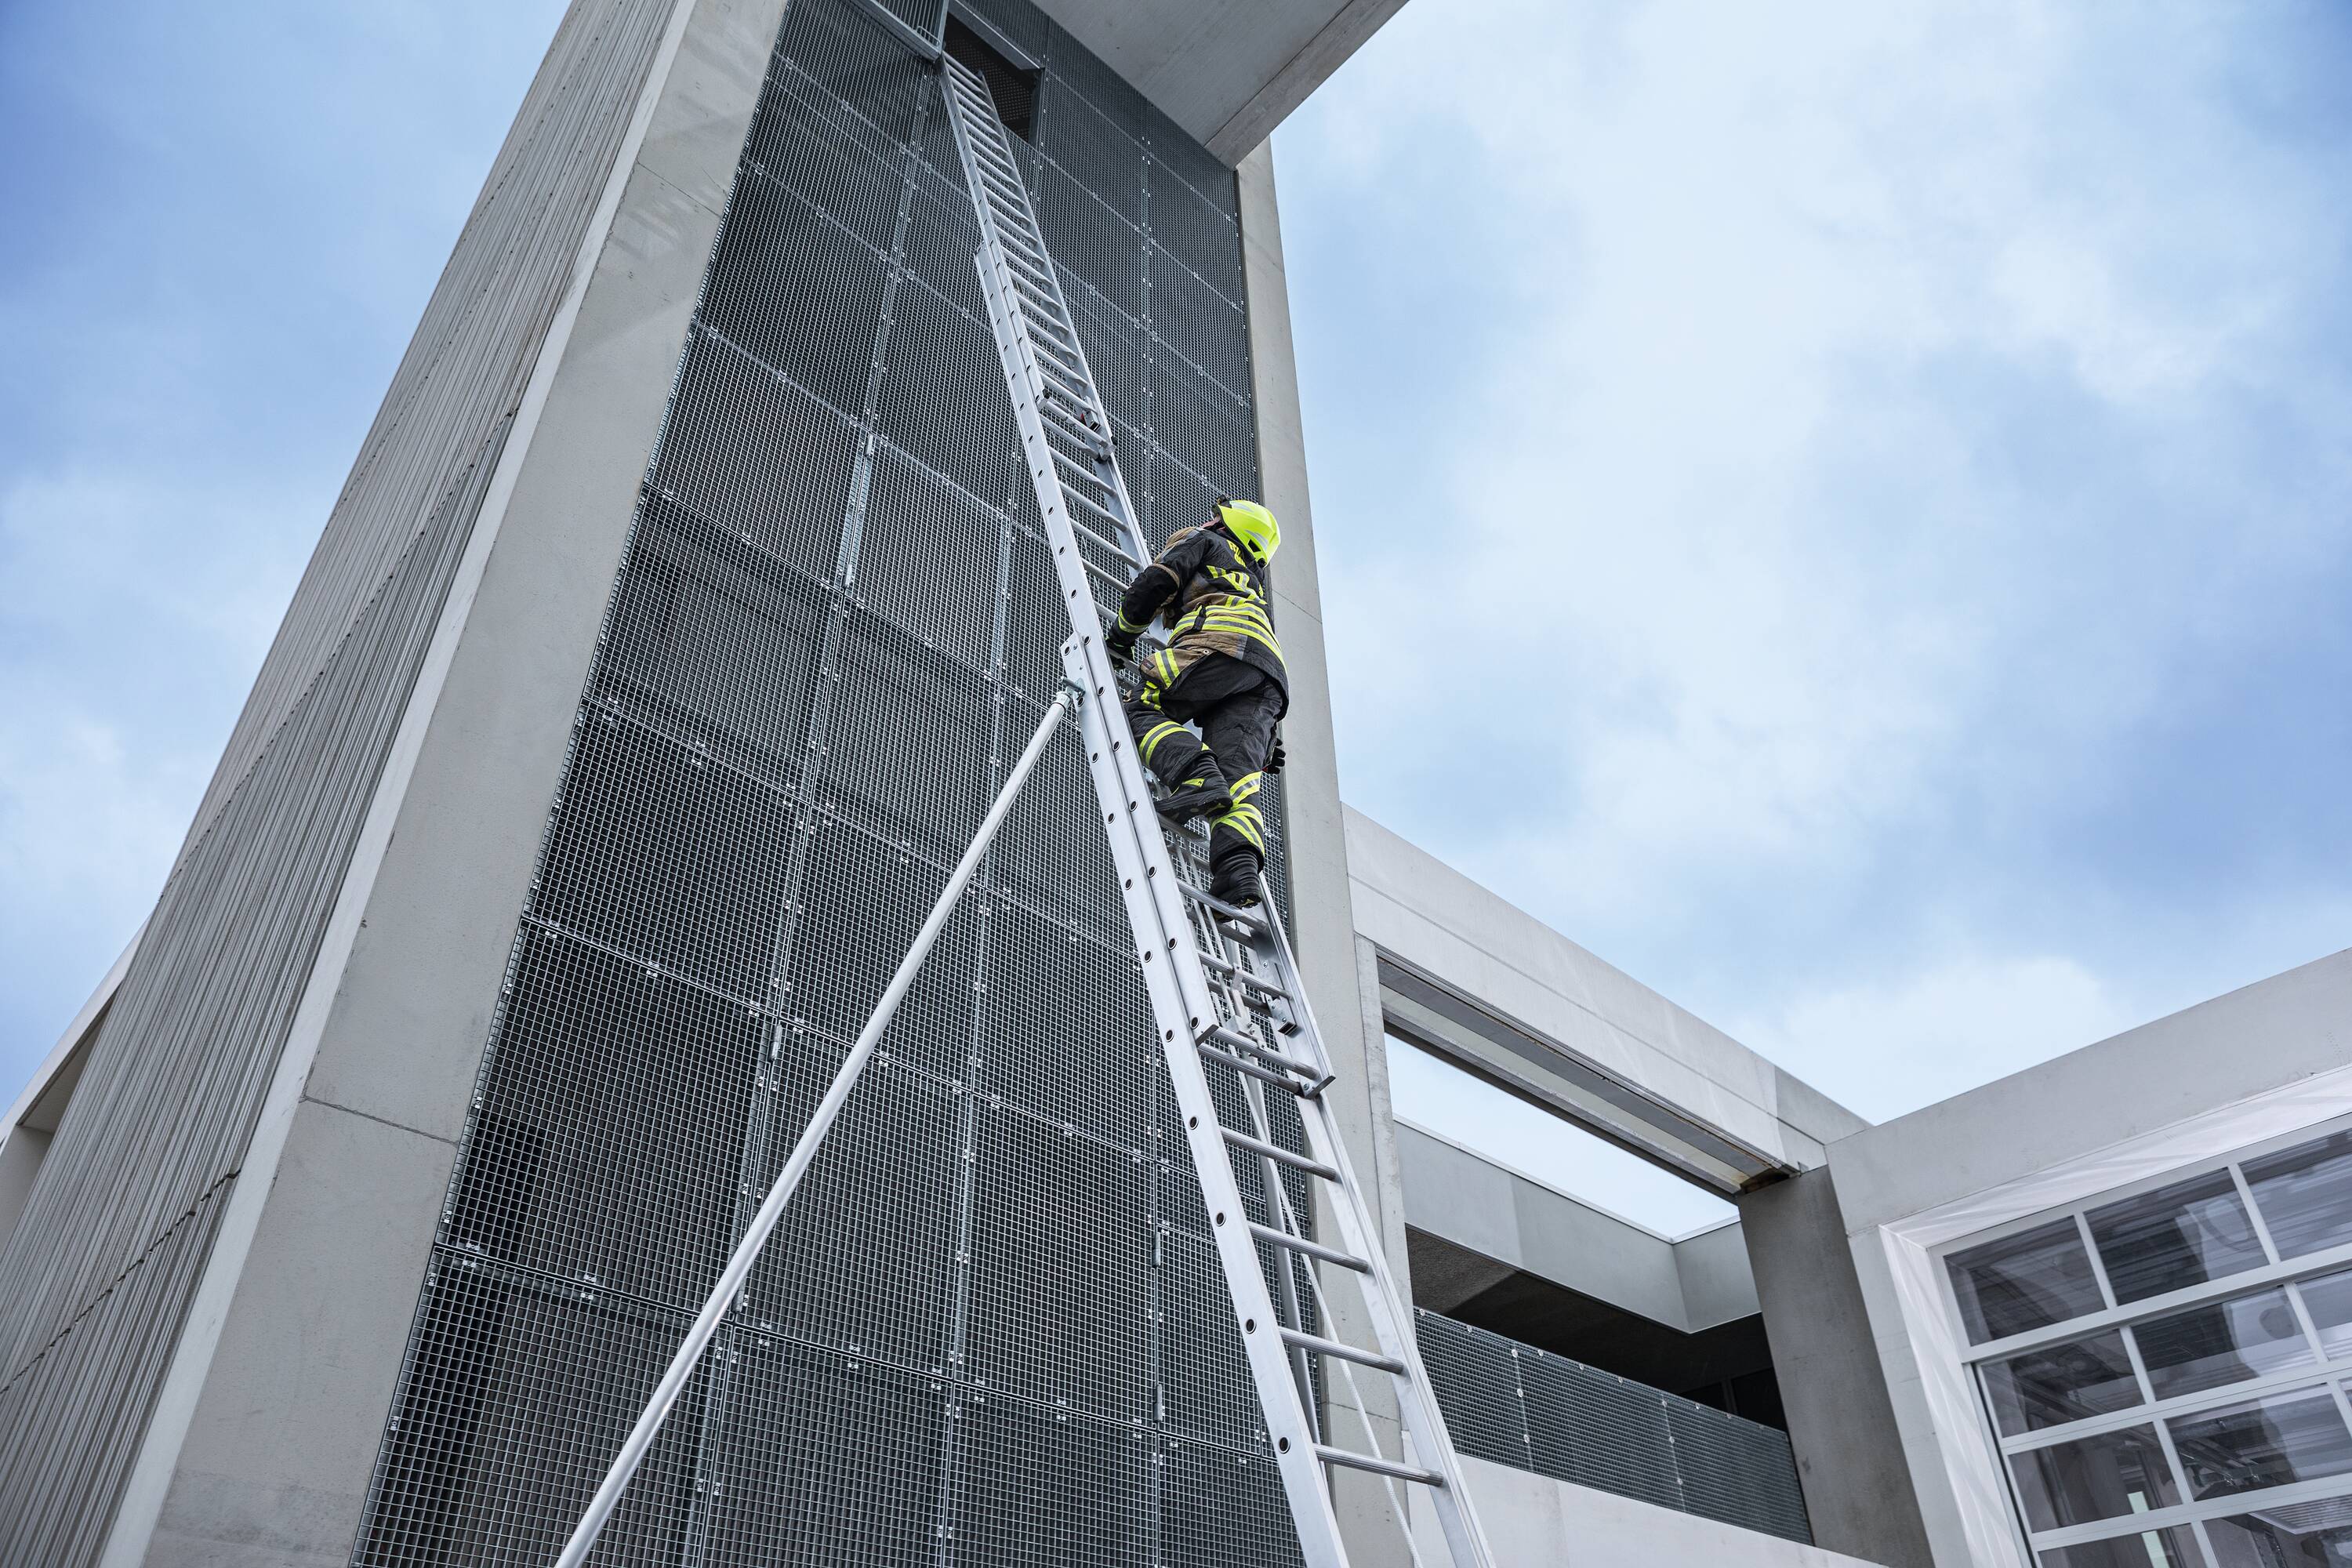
column 670, row 634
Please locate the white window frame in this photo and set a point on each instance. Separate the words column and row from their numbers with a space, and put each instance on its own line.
column 1948, row 1431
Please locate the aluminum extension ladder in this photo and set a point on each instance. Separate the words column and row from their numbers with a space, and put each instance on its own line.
column 1224, row 983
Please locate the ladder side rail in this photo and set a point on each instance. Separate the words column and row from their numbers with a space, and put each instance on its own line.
column 1417, row 1404
column 963, row 110
column 1287, row 1422
column 1139, row 852
column 1167, row 938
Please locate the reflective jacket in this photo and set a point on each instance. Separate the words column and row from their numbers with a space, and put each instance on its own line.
column 1212, row 598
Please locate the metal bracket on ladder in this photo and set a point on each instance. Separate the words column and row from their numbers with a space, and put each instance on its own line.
column 1224, row 986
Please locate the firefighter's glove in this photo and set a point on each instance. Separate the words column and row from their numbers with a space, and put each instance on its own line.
column 1120, row 647
column 1275, row 758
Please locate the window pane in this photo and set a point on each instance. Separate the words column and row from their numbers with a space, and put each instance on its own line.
column 2329, row 1297
column 2305, row 1194
column 2022, row 1282
column 2309, row 1535
column 2178, row 1235
column 2150, row 1549
column 2221, row 1343
column 2094, row 1478
column 2261, row 1443
column 2064, row 1383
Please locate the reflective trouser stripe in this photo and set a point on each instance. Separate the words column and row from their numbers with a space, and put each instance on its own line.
column 1158, row 733
column 1243, row 817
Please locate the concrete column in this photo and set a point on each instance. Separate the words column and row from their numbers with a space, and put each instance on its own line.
column 1314, row 833
column 265, row 1438
column 1850, row 1460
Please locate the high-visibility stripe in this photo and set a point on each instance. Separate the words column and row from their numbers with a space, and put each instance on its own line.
column 1158, row 733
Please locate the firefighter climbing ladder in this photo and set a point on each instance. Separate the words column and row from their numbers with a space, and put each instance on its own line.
column 1224, row 983
column 1224, row 987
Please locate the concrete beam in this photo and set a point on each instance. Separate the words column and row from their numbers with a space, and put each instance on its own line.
column 1535, row 1522
column 1506, row 995
column 1462, row 1197
column 1228, row 71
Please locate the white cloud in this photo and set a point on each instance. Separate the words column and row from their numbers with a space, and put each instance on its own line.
column 1893, row 1044
column 1861, row 470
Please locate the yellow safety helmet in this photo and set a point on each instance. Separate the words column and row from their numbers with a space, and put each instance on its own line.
column 1252, row 524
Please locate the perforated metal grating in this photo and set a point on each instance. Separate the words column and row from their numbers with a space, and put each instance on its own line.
column 990, row 1330
column 1522, row 1406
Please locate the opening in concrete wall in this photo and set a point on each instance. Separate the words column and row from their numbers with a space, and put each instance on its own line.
column 1430, row 1091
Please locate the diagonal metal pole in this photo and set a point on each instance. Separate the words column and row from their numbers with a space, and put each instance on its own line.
column 764, row 1223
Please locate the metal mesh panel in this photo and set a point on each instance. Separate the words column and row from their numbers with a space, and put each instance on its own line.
column 1520, row 1406
column 1737, row 1473
column 859, row 1490
column 1208, row 331
column 1477, row 1379
column 1196, row 235
column 990, row 1330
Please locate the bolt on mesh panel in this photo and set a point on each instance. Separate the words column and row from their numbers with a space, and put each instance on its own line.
column 1205, row 427
column 515, row 1390
column 1087, row 239
column 1060, row 1291
column 1194, row 232
column 1735, row 1471
column 757, row 456
column 1037, row 1486
column 1218, row 1508
column 866, row 1258
column 830, row 46
column 1523, row 1406
column 1195, row 323
column 629, row 1187
column 1076, row 137
column 858, row 1488
column 990, row 1330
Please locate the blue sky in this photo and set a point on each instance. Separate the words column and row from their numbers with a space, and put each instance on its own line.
column 1842, row 511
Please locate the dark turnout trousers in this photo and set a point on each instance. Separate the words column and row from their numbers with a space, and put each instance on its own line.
column 1236, row 706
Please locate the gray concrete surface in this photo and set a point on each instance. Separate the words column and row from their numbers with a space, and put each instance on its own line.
column 1463, row 1198
column 1228, row 71
column 2235, row 1047
column 1314, row 834
column 1558, row 1025
column 247, row 1461
column 2257, row 1063
column 1841, row 1420
column 1535, row 1522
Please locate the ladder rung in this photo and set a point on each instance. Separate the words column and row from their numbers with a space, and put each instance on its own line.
column 1311, row 1248
column 1114, row 547
column 1126, row 553
column 1299, row 1339
column 1264, row 1075
column 1218, row 906
column 1377, row 1465
column 1083, row 469
column 1281, row 1156
column 1058, row 408
column 1233, row 1039
column 1239, row 975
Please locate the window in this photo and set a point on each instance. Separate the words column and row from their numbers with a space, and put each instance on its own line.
column 2166, row 1369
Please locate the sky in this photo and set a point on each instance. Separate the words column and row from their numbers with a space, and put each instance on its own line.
column 1842, row 511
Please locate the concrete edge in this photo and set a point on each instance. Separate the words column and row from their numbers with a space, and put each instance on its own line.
column 140, row 1507
column 76, row 1038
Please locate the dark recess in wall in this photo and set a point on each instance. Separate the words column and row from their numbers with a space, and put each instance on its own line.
column 1729, row 1366
column 1014, row 90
